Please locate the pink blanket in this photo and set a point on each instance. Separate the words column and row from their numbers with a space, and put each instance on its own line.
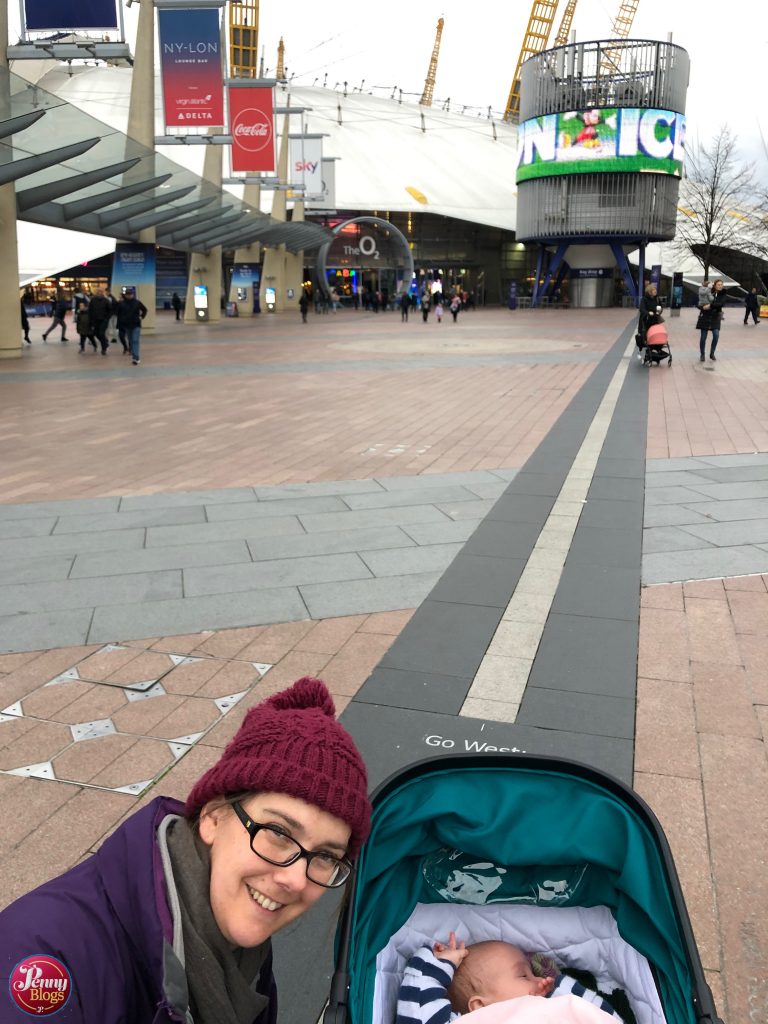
column 535, row 1010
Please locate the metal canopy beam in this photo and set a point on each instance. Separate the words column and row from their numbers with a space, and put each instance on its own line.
column 30, row 197
column 81, row 207
column 15, row 125
column 179, row 230
column 221, row 230
column 152, row 202
column 152, row 219
column 190, row 234
column 31, row 164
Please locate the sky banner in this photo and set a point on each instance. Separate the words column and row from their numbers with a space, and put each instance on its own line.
column 190, row 59
column 74, row 14
column 307, row 165
column 605, row 139
column 251, row 124
column 327, row 201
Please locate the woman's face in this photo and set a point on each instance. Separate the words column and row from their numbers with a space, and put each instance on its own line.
column 250, row 898
column 717, row 286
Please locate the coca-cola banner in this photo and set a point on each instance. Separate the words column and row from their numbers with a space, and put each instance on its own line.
column 252, row 126
column 307, row 164
column 190, row 58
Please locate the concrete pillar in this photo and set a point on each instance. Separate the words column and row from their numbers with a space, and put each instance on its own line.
column 294, row 263
column 273, row 273
column 141, row 125
column 205, row 267
column 10, row 313
column 247, row 254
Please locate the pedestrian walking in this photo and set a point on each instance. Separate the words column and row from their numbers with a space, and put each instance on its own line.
column 60, row 308
column 176, row 303
column 710, row 317
column 83, row 325
column 405, row 305
column 304, row 304
column 25, row 322
column 752, row 307
column 455, row 307
column 99, row 312
column 425, row 306
column 130, row 313
column 439, row 311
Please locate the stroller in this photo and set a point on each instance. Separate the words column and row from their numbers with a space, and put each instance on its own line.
column 652, row 341
column 528, row 845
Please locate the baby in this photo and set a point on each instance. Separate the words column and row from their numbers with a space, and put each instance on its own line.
column 444, row 983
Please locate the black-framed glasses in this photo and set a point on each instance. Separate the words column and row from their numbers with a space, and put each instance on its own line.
column 276, row 847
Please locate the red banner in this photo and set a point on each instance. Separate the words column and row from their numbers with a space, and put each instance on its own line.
column 251, row 124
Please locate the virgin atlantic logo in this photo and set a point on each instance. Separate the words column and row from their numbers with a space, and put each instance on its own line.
column 40, row 985
column 252, row 129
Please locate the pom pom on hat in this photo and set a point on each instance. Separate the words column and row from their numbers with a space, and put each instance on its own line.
column 291, row 743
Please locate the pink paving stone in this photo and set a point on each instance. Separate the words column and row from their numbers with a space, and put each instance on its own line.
column 387, row 622
column 276, row 641
column 188, row 679
column 10, row 662
column 192, row 716
column 100, row 666
column 679, row 806
column 32, row 745
column 750, row 612
column 26, row 803
column 227, row 643
column 233, row 677
column 41, row 670
column 663, row 648
column 185, row 772
column 51, row 702
column 665, row 729
column 82, row 761
column 663, row 595
column 711, row 632
column 330, row 635
column 762, row 717
column 96, row 703
column 293, row 666
column 712, row 589
column 736, row 804
column 746, row 583
column 147, row 665
column 141, row 716
column 715, row 981
column 143, row 759
column 346, row 672
column 723, row 701
column 182, row 644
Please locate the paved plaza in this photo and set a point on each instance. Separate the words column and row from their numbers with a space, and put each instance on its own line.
column 505, row 532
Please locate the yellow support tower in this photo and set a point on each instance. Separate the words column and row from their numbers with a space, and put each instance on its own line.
column 565, row 25
column 536, row 38
column 280, row 73
column 429, row 82
column 243, row 38
column 622, row 26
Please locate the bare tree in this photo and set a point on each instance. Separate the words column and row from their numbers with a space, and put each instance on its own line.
column 716, row 185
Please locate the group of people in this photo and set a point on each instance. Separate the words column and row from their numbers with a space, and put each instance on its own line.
column 96, row 317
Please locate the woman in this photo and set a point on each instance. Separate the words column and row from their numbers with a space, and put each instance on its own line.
column 171, row 920
column 650, row 310
column 709, row 320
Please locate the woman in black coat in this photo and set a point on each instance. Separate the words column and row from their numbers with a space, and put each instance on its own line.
column 709, row 320
column 649, row 313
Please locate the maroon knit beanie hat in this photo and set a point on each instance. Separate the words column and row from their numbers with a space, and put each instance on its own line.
column 291, row 743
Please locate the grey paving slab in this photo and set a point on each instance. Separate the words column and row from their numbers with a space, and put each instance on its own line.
column 271, row 509
column 325, row 521
column 676, row 566
column 392, row 738
column 479, row 580
column 449, row 532
column 467, row 509
column 181, row 556
column 238, row 529
column 733, row 474
column 89, row 593
column 111, row 540
column 504, row 474
column 584, row 713
column 44, row 630
column 445, row 639
column 490, row 490
column 194, row 614
column 35, row 527
column 393, row 499
column 748, row 459
column 494, row 538
column 317, row 489
column 401, row 561
column 673, row 496
column 130, row 520
column 632, row 468
column 671, row 538
column 301, row 545
column 386, row 594
column 605, row 592
column 522, row 508
column 733, row 511
column 538, row 483
column 674, row 465
column 604, row 546
column 679, row 479
column 548, row 462
column 281, row 572
column 672, row 515
column 182, row 499
column 427, row 481
column 419, row 691
column 48, row 509
column 597, row 512
column 604, row 488
column 734, row 491
column 587, row 655
column 33, row 570
column 728, row 535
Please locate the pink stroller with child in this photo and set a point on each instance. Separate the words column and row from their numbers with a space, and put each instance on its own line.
column 653, row 342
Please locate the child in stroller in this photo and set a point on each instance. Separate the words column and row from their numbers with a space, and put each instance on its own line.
column 651, row 338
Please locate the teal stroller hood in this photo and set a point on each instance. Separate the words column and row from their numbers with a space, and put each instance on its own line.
column 527, row 815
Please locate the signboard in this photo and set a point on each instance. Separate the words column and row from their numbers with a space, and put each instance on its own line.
column 307, row 166
column 251, row 124
column 71, row 14
column 656, row 275
column 327, row 200
column 676, row 300
column 133, row 265
column 190, row 60
column 601, row 139
column 584, row 273
column 245, row 275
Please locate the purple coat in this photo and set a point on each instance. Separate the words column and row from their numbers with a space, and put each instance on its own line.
column 108, row 920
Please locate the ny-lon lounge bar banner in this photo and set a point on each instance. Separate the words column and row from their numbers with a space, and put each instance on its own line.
column 47, row 14
column 190, row 59
column 251, row 123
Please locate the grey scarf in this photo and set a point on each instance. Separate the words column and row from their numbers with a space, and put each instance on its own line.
column 220, row 978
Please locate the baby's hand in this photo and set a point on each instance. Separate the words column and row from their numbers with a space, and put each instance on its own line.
column 454, row 952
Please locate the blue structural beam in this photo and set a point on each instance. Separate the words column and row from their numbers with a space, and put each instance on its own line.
column 626, row 271
column 537, row 279
column 553, row 268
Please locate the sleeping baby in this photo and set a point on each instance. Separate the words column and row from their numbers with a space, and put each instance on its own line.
column 449, row 981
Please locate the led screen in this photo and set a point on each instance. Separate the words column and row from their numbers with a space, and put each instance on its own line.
column 601, row 139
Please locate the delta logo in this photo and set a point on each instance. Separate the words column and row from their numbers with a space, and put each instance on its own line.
column 40, row 985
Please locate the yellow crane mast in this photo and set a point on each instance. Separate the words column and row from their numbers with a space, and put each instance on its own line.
column 622, row 26
column 429, row 81
column 536, row 38
column 280, row 73
column 243, row 38
column 565, row 25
